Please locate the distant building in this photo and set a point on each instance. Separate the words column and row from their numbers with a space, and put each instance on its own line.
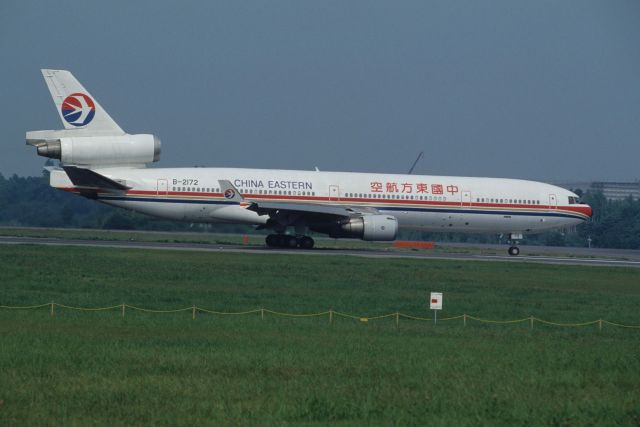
column 610, row 190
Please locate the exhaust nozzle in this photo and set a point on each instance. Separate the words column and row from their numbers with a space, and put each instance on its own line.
column 50, row 149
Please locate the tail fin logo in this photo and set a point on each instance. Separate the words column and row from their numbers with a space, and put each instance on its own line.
column 229, row 193
column 78, row 109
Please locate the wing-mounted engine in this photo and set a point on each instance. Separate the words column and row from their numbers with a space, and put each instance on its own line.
column 366, row 227
column 129, row 150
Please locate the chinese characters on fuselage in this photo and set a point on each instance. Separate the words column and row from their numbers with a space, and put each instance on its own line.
column 409, row 188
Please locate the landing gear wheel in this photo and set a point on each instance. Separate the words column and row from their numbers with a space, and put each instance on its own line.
column 277, row 241
column 514, row 251
column 305, row 242
column 272, row 240
column 289, row 242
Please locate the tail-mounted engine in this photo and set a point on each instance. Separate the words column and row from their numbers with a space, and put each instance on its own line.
column 125, row 150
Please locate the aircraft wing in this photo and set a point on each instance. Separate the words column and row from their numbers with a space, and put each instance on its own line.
column 310, row 211
column 268, row 208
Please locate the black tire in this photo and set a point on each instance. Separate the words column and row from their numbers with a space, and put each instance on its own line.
column 514, row 251
column 272, row 240
column 305, row 242
column 290, row 242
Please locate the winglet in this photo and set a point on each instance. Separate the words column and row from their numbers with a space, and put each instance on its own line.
column 230, row 192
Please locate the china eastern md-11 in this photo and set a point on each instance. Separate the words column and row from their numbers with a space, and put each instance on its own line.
column 100, row 161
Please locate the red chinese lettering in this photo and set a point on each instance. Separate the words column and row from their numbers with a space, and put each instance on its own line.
column 422, row 188
column 437, row 189
column 392, row 187
column 376, row 187
column 407, row 188
column 452, row 189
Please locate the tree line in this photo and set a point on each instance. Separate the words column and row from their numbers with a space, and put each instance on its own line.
column 31, row 202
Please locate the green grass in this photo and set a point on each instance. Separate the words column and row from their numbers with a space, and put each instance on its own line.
column 100, row 368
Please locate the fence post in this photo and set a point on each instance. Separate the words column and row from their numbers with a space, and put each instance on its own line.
column 193, row 313
column 330, row 315
column 600, row 325
column 530, row 322
column 397, row 320
column 123, row 305
column 262, row 313
column 464, row 320
column 52, row 303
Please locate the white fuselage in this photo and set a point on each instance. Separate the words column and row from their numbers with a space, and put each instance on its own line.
column 432, row 203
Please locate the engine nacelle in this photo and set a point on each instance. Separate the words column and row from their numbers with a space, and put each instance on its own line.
column 103, row 150
column 368, row 227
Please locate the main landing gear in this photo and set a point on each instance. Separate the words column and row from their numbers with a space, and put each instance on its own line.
column 289, row 241
column 513, row 240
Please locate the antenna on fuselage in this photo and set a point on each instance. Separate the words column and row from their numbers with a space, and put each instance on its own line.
column 416, row 162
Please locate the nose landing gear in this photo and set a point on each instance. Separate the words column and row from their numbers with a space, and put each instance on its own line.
column 289, row 241
column 514, row 250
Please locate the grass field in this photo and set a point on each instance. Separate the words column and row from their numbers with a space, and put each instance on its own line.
column 100, row 368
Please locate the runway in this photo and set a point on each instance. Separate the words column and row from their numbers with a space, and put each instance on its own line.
column 537, row 254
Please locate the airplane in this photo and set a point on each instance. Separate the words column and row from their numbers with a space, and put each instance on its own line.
column 100, row 161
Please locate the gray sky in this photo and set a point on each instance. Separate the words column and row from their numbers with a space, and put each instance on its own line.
column 546, row 90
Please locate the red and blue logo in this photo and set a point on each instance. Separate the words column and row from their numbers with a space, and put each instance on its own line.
column 78, row 109
column 229, row 193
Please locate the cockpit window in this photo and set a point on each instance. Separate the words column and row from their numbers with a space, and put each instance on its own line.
column 574, row 200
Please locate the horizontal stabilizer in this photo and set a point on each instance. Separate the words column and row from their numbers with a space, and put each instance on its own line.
column 86, row 179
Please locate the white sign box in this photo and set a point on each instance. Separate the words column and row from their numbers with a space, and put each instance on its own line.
column 435, row 301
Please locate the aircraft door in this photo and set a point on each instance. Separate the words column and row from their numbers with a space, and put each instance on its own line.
column 334, row 192
column 163, row 187
column 553, row 201
column 466, row 198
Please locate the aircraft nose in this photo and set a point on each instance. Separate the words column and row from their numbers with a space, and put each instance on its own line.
column 588, row 211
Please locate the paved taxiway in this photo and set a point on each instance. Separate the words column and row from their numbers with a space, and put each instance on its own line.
column 543, row 255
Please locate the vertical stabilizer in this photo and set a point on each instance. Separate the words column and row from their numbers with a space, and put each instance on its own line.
column 77, row 108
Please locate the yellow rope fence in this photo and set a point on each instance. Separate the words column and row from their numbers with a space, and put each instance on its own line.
column 331, row 314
